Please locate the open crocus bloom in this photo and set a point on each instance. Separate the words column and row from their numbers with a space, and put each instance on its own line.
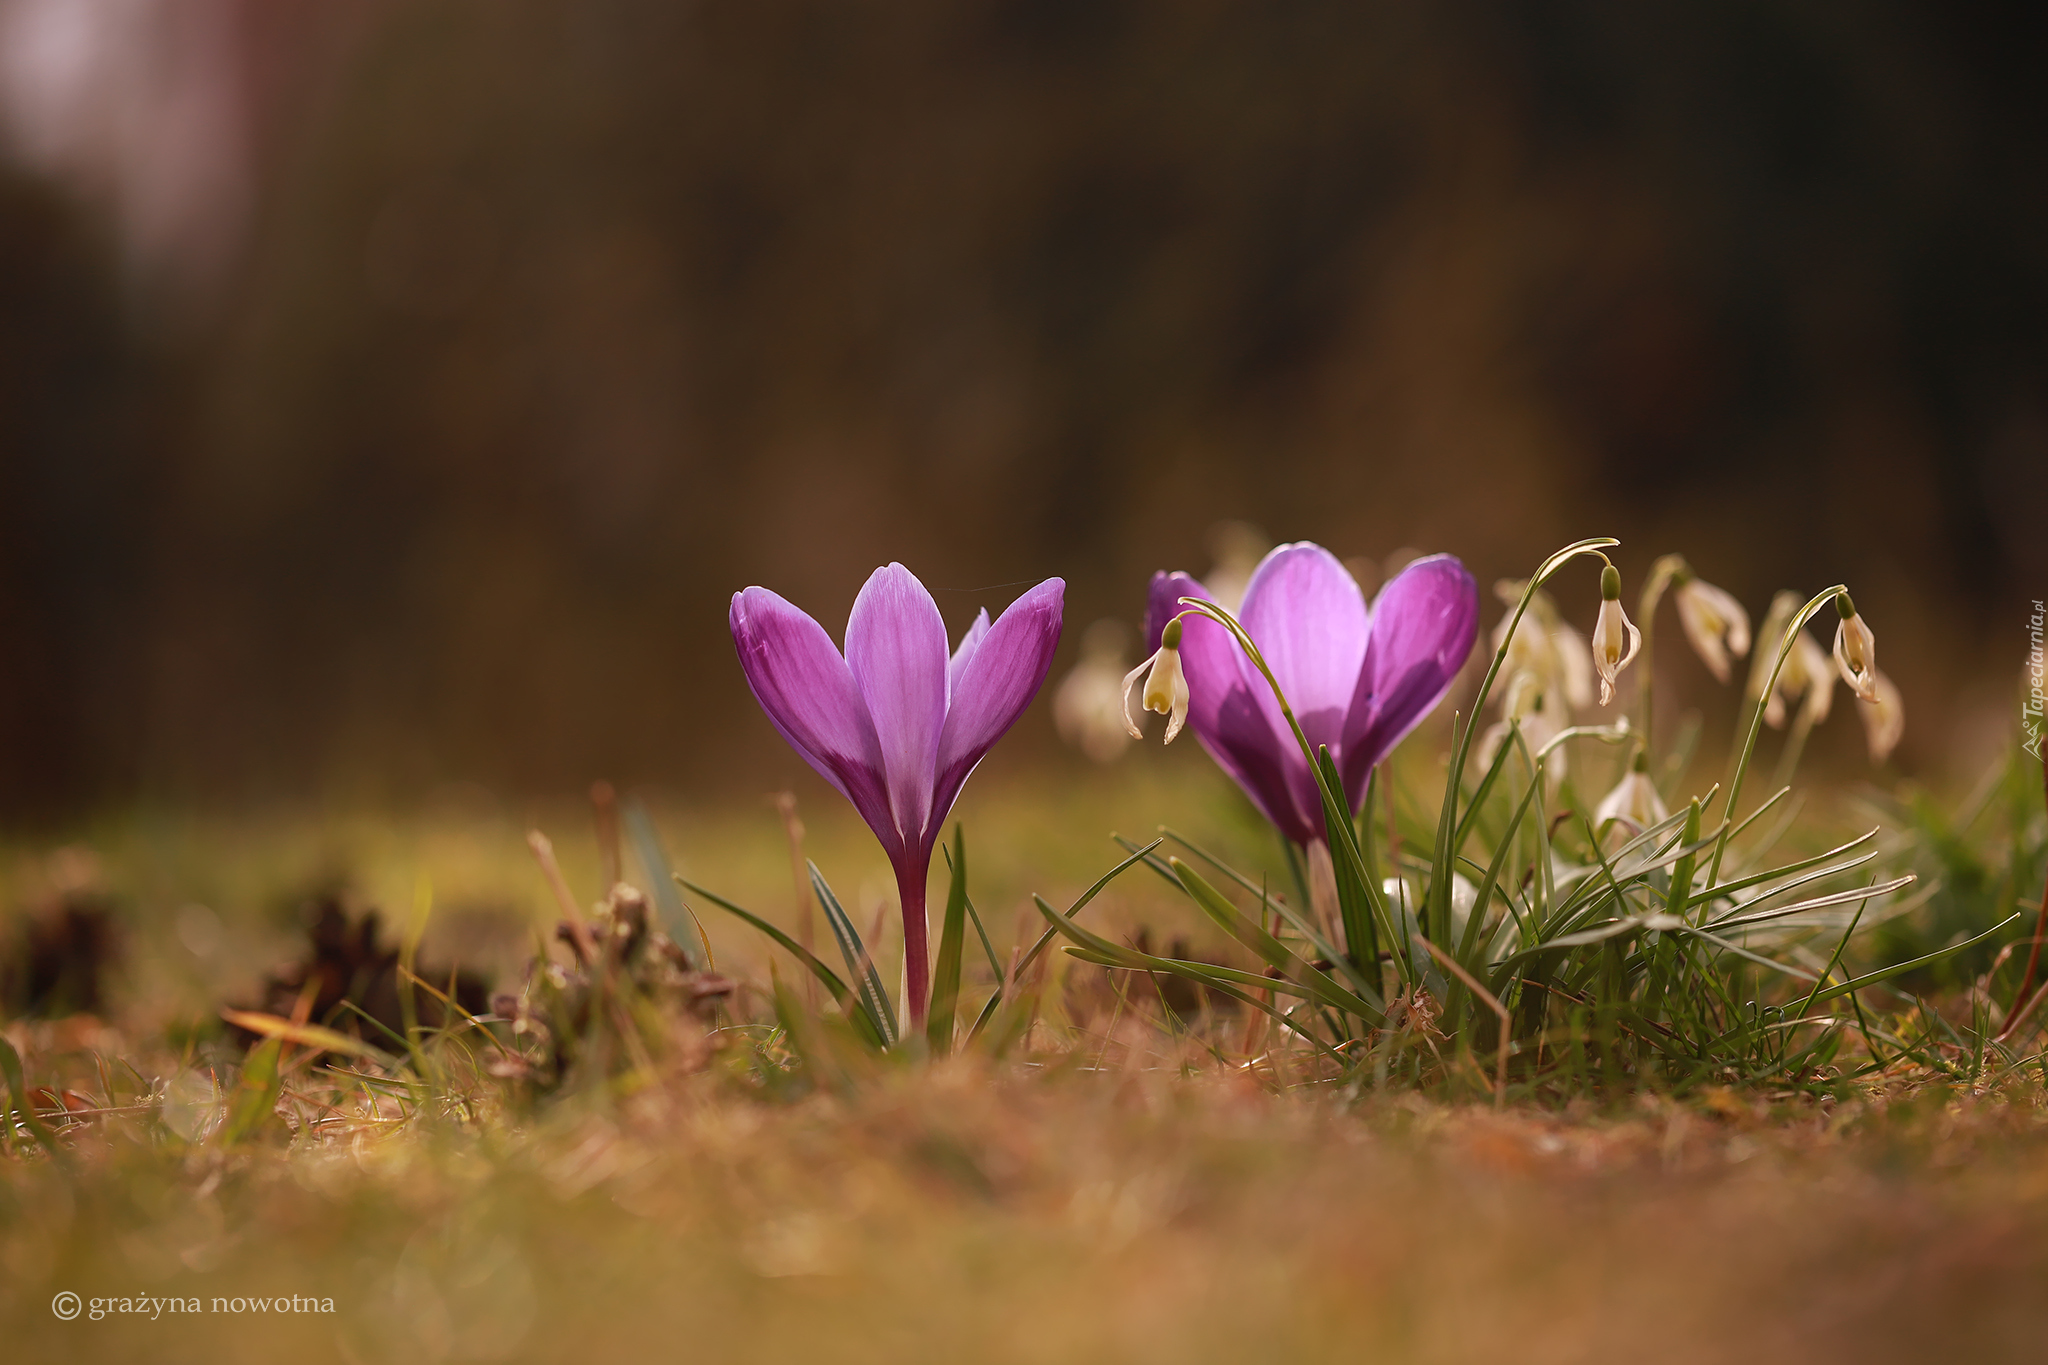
column 1359, row 680
column 895, row 723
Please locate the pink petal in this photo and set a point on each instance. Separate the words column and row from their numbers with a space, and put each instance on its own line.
column 997, row 680
column 1423, row 625
column 896, row 652
column 1239, row 725
column 969, row 642
column 810, row 698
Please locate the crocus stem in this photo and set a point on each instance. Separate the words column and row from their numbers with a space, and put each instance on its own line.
column 917, row 987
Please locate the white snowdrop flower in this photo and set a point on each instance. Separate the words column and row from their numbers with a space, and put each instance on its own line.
column 1855, row 650
column 1166, row 687
column 1714, row 623
column 1615, row 638
column 1634, row 801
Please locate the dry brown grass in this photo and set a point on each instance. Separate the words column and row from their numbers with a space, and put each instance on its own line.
column 963, row 1214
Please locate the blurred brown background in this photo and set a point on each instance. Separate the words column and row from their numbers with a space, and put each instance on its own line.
column 392, row 394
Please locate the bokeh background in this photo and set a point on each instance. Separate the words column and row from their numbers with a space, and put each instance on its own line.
column 392, row 393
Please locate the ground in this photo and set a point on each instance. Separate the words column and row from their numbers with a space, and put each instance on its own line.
column 1101, row 1196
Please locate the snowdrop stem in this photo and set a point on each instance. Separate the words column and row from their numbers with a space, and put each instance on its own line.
column 1221, row 616
column 1606, row 734
column 1795, row 745
column 1756, row 718
column 1663, row 574
column 1544, row 572
column 1440, row 881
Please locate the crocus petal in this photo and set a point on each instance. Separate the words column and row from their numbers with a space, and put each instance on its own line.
column 1233, row 723
column 969, row 642
column 999, row 680
column 809, row 696
column 1423, row 626
column 896, row 651
column 1304, row 610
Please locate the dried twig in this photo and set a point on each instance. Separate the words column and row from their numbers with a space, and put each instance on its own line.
column 544, row 854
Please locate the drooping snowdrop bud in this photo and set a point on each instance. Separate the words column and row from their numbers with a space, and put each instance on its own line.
column 1634, row 801
column 1166, row 689
column 1714, row 623
column 1615, row 638
column 1884, row 720
column 1855, row 651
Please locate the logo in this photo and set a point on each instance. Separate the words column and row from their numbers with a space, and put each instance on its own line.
column 2031, row 708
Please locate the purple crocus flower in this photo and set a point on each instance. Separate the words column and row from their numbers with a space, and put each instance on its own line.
column 895, row 723
column 1359, row 680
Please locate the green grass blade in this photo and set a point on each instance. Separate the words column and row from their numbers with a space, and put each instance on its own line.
column 17, row 1089
column 988, row 949
column 863, row 1022
column 304, row 1035
column 1681, row 873
column 1484, row 895
column 1479, row 795
column 1359, row 903
column 1284, row 1018
column 255, row 1097
column 1272, row 951
column 860, row 963
column 669, row 907
column 1742, row 911
column 1436, row 916
column 1729, row 888
column 1103, row 952
column 1859, row 894
column 1901, row 968
column 946, row 967
column 1024, row 963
